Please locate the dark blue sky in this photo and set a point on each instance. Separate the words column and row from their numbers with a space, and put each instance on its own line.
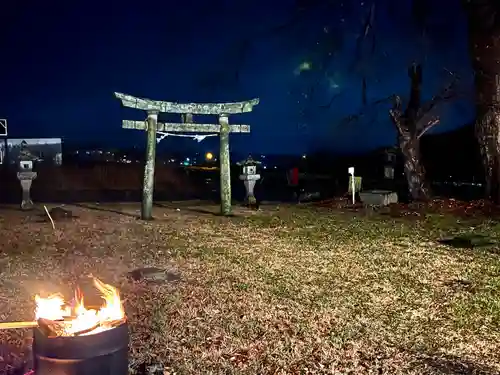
column 62, row 61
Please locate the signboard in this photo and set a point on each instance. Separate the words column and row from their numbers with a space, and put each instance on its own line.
column 3, row 127
column 40, row 150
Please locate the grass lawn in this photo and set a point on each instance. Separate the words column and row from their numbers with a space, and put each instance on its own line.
column 283, row 291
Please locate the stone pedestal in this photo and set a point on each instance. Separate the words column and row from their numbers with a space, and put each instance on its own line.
column 378, row 197
column 250, row 181
column 26, row 179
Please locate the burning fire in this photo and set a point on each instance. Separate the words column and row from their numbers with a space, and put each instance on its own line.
column 77, row 319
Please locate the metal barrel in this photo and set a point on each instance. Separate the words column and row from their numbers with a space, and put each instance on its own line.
column 103, row 353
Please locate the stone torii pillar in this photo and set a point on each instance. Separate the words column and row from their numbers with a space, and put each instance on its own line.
column 225, row 166
column 149, row 167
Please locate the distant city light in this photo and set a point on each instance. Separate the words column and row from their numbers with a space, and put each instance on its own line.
column 304, row 156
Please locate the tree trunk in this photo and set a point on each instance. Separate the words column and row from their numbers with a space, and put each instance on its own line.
column 414, row 171
column 484, row 43
column 410, row 127
column 487, row 127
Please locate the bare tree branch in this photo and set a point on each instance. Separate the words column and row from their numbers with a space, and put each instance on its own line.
column 430, row 125
column 397, row 113
column 365, row 32
column 335, row 96
column 447, row 93
column 303, row 11
column 365, row 110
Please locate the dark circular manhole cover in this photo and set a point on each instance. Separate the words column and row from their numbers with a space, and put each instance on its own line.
column 467, row 241
column 153, row 274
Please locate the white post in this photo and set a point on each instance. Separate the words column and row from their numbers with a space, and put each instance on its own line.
column 353, row 184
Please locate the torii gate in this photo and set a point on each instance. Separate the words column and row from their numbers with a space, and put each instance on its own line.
column 152, row 126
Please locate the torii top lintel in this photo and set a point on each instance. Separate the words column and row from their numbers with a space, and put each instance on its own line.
column 194, row 108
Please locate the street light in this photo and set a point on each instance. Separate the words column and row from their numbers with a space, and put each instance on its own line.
column 209, row 156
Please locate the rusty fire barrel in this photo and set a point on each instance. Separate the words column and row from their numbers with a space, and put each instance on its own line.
column 103, row 353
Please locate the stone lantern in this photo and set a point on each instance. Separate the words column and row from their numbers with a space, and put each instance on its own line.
column 249, row 176
column 26, row 177
column 389, row 163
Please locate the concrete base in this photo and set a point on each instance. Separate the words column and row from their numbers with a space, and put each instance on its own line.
column 378, row 197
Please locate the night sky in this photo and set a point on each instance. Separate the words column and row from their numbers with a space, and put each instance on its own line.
column 62, row 61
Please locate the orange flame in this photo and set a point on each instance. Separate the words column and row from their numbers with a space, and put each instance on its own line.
column 79, row 318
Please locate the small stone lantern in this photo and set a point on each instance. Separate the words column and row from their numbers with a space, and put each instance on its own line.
column 389, row 164
column 249, row 176
column 26, row 177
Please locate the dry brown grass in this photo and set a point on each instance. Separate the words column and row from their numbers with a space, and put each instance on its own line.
column 293, row 290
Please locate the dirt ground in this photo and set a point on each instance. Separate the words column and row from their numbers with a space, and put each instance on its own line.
column 283, row 290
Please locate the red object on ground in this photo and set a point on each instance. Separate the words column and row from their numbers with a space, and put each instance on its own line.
column 294, row 176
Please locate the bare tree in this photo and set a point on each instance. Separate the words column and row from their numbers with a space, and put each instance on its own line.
column 411, row 118
column 412, row 122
